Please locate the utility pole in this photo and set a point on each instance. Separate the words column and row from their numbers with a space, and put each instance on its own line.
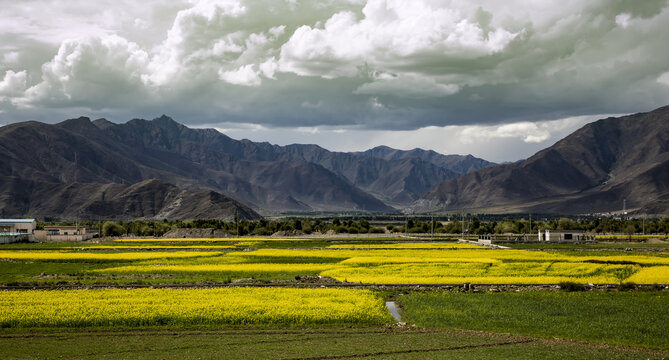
column 236, row 223
column 624, row 208
column 432, row 226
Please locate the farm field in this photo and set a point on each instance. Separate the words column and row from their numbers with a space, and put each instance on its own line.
column 324, row 298
column 190, row 307
column 300, row 343
column 353, row 262
column 638, row 318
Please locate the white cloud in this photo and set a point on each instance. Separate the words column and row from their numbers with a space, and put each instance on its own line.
column 664, row 78
column 529, row 132
column 196, row 35
column 623, row 20
column 269, row 68
column 13, row 84
column 244, row 75
column 84, row 71
column 389, row 33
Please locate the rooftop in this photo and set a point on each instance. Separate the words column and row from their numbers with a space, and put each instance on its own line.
column 16, row 220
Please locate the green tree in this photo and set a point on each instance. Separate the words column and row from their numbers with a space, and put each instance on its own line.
column 110, row 228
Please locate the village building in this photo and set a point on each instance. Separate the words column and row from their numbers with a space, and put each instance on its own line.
column 554, row 236
column 16, row 230
column 64, row 233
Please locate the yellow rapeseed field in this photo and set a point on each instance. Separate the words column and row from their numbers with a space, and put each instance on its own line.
column 207, row 239
column 426, row 245
column 84, row 256
column 481, row 273
column 222, row 268
column 651, row 275
column 140, row 247
column 381, row 266
column 190, row 307
column 418, row 266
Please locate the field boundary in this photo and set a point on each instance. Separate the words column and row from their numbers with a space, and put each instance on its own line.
column 410, row 351
column 471, row 287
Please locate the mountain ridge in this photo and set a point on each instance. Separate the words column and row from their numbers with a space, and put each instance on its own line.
column 267, row 177
column 592, row 170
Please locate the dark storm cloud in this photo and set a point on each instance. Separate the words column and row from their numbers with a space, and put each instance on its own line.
column 366, row 65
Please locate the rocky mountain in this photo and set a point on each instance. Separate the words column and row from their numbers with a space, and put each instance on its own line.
column 458, row 164
column 397, row 182
column 150, row 199
column 101, row 152
column 269, row 178
column 592, row 170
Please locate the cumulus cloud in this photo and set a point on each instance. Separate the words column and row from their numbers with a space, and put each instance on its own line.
column 245, row 75
column 389, row 34
column 83, row 72
column 13, row 84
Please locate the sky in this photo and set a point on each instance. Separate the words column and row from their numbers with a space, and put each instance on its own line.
column 496, row 79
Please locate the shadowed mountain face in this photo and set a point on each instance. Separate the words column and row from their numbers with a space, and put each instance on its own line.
column 592, row 170
column 82, row 151
column 152, row 199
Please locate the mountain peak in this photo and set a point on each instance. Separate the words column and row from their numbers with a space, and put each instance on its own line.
column 103, row 123
column 79, row 124
column 79, row 120
column 164, row 119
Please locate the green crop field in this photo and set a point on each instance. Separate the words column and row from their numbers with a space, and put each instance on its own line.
column 636, row 318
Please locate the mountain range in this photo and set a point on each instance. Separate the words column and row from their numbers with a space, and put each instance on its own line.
column 83, row 168
column 606, row 166
column 162, row 169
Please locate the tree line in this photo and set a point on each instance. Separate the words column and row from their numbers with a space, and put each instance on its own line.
column 470, row 225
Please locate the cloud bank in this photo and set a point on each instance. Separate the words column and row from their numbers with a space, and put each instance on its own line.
column 371, row 65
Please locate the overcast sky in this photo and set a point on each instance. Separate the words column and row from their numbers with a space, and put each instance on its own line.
column 497, row 79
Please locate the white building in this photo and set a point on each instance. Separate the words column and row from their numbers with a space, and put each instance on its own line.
column 563, row 236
